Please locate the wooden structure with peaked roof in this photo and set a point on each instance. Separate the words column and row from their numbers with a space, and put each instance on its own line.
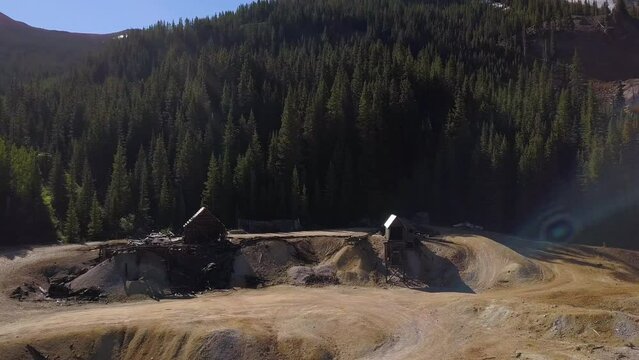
column 204, row 228
column 399, row 235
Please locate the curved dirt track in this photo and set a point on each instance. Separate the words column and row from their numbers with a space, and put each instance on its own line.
column 522, row 300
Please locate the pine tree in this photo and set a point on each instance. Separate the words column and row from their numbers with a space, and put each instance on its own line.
column 166, row 204
column 227, row 99
column 295, row 198
column 95, row 228
column 188, row 171
column 338, row 105
column 72, row 224
column 57, row 187
column 144, row 204
column 365, row 119
column 211, row 193
column 160, row 173
column 119, row 192
column 141, row 163
column 84, row 199
column 245, row 89
column 457, row 125
column 288, row 144
column 577, row 82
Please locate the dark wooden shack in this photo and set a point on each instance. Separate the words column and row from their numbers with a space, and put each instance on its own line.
column 204, row 228
column 399, row 235
column 399, row 230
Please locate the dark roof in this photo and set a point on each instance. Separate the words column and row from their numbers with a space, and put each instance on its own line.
column 394, row 219
column 203, row 215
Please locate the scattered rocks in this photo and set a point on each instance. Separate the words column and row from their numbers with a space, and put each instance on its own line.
column 319, row 275
column 26, row 291
column 19, row 293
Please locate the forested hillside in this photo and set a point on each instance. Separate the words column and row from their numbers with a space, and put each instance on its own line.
column 26, row 51
column 332, row 111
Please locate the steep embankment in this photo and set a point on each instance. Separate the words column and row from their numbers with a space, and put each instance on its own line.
column 530, row 301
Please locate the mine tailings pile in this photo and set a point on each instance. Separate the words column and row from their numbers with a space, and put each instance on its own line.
column 158, row 266
column 163, row 266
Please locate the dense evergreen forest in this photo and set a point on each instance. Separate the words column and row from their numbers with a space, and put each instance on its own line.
column 332, row 111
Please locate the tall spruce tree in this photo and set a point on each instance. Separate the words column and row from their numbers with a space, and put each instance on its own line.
column 119, row 193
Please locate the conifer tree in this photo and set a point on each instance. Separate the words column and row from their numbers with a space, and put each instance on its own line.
column 296, row 201
column 577, row 82
column 160, row 166
column 57, row 187
column 245, row 88
column 211, row 193
column 119, row 193
column 457, row 126
column 95, row 228
column 338, row 105
column 83, row 203
column 166, row 204
column 144, row 203
column 288, row 144
column 72, row 224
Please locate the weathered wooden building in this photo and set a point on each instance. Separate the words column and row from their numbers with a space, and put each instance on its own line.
column 204, row 228
column 398, row 229
column 399, row 235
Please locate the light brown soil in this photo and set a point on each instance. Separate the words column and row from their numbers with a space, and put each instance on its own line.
column 521, row 300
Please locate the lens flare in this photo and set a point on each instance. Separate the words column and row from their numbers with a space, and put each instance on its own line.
column 559, row 228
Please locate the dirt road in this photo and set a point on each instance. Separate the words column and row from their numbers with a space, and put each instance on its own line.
column 524, row 300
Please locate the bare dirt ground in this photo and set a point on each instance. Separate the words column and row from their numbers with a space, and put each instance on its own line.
column 516, row 299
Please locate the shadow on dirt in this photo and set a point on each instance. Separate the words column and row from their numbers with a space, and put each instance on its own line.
column 429, row 272
column 15, row 252
column 623, row 264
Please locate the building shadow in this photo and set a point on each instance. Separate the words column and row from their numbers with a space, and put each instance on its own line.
column 428, row 272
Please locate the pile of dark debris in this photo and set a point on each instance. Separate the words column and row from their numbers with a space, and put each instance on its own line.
column 57, row 288
column 160, row 265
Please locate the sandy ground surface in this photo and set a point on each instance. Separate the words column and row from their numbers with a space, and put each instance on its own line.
column 523, row 300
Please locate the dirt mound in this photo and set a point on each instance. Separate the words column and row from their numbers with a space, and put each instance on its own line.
column 307, row 261
column 264, row 261
column 357, row 264
column 318, row 275
column 125, row 275
column 475, row 262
